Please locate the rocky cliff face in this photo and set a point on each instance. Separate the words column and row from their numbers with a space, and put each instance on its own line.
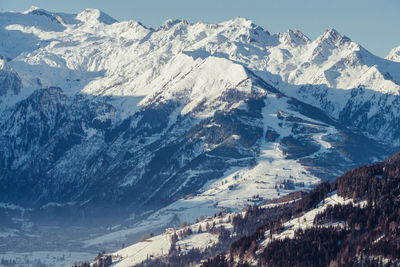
column 10, row 83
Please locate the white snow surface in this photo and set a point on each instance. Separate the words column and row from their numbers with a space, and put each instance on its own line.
column 160, row 245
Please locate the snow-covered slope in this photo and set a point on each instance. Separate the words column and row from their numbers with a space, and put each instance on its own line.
column 100, row 116
column 307, row 220
column 182, row 240
column 189, row 237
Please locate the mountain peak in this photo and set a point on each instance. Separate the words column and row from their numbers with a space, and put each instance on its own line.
column 394, row 54
column 240, row 21
column 293, row 38
column 330, row 34
column 93, row 15
column 32, row 8
column 169, row 23
column 36, row 11
column 298, row 33
column 332, row 38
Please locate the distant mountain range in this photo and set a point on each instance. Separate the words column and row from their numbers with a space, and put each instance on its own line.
column 113, row 123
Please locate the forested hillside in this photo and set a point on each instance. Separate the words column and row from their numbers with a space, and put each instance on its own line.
column 353, row 221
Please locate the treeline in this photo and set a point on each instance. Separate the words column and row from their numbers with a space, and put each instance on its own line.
column 188, row 259
column 361, row 183
column 83, row 264
column 364, row 234
column 256, row 216
column 311, row 247
column 253, row 218
column 247, row 245
column 247, row 229
column 102, row 260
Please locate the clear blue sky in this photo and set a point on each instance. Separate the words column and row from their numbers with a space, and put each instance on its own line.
column 375, row 24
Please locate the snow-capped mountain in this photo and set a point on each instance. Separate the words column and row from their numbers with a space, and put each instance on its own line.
column 105, row 117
